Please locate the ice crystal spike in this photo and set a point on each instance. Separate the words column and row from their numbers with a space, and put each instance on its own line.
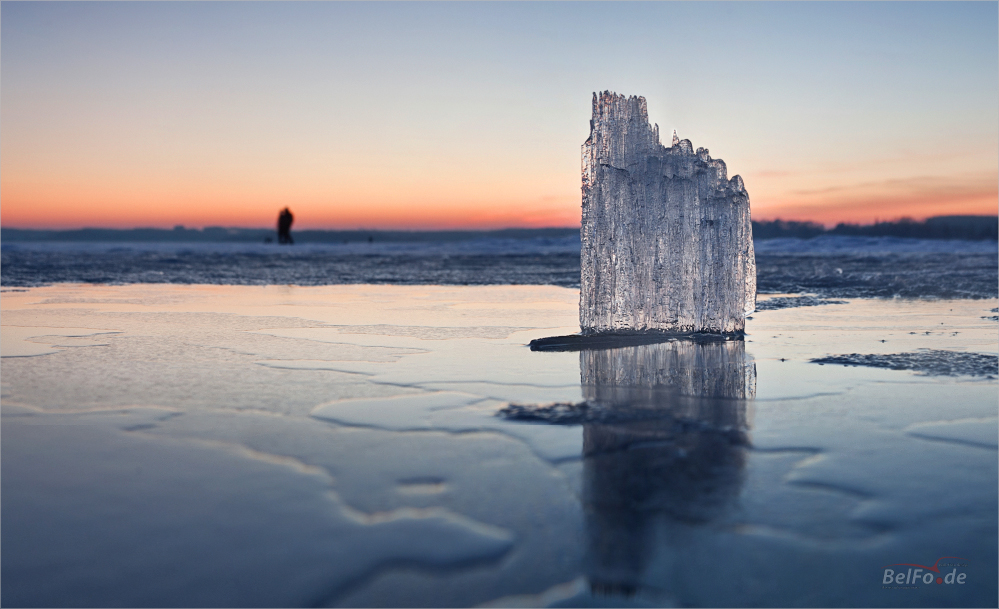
column 667, row 243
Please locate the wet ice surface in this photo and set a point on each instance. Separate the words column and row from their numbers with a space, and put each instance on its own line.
column 250, row 446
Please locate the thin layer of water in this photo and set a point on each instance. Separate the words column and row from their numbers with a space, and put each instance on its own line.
column 247, row 432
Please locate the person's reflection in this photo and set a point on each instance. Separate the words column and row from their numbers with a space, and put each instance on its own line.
column 671, row 449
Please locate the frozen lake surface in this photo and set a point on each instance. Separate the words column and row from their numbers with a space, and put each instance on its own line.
column 200, row 445
column 830, row 266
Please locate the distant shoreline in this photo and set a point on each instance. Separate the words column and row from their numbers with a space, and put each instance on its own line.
column 975, row 228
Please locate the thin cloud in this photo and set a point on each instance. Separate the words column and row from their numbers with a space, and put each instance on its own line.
column 936, row 185
column 916, row 197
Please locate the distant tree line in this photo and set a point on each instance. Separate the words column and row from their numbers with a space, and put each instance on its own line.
column 976, row 228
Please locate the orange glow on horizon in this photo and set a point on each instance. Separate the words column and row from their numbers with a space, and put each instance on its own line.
column 349, row 202
column 867, row 203
column 312, row 216
column 77, row 203
column 309, row 214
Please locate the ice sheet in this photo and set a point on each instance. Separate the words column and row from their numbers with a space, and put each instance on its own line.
column 242, row 445
column 28, row 341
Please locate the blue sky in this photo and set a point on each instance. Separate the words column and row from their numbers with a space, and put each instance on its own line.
column 432, row 114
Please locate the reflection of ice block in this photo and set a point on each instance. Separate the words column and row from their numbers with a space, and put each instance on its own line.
column 682, row 367
column 683, row 462
column 708, row 384
column 666, row 236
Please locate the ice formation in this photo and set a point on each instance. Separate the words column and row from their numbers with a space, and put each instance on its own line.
column 667, row 243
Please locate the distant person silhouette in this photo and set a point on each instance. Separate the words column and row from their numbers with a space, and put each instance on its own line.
column 284, row 227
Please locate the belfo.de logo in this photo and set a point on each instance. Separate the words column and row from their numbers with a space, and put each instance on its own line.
column 916, row 574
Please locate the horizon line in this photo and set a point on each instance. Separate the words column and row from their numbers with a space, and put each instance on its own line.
column 178, row 227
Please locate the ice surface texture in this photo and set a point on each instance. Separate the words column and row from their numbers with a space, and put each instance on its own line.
column 666, row 237
column 929, row 362
column 833, row 266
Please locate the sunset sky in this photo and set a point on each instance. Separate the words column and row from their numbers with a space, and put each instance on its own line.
column 471, row 115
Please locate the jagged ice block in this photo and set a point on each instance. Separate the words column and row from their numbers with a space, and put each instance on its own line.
column 667, row 243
